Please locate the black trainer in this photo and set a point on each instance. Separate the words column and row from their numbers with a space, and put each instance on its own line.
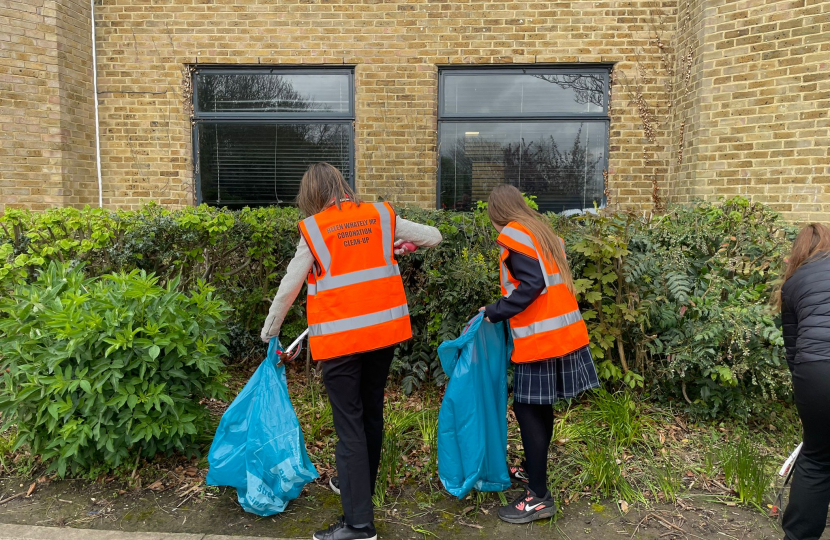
column 343, row 531
column 517, row 474
column 334, row 484
column 528, row 508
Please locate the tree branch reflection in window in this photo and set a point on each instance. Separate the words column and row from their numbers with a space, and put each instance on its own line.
column 587, row 88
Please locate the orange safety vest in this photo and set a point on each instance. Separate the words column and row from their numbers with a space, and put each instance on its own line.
column 356, row 300
column 552, row 325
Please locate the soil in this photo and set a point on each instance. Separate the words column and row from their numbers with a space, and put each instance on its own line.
column 416, row 514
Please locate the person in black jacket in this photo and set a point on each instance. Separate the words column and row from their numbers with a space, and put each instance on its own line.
column 805, row 316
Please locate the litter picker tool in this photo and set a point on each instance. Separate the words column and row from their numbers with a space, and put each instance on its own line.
column 786, row 472
column 294, row 349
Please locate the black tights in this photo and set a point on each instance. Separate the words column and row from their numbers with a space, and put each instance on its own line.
column 536, row 425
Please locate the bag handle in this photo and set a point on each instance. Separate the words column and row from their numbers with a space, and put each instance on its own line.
column 467, row 327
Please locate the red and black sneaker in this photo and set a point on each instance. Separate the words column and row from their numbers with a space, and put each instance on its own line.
column 517, row 474
column 528, row 508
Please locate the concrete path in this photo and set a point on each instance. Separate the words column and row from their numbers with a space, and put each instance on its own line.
column 25, row 532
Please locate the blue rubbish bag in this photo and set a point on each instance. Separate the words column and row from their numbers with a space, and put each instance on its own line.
column 259, row 447
column 472, row 422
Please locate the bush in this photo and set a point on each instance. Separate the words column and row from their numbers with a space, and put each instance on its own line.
column 242, row 254
column 96, row 368
column 675, row 304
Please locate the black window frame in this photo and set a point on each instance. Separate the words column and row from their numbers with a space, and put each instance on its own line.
column 598, row 68
column 269, row 118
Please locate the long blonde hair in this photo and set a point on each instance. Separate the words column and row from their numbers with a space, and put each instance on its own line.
column 812, row 242
column 507, row 204
column 323, row 185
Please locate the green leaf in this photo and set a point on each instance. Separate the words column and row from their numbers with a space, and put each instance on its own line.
column 53, row 410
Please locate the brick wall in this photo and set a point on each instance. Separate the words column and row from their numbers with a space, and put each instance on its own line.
column 74, row 51
column 758, row 108
column 395, row 47
column 709, row 99
column 687, row 94
column 46, row 127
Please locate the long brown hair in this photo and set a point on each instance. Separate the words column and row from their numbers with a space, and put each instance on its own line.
column 812, row 242
column 323, row 185
column 507, row 204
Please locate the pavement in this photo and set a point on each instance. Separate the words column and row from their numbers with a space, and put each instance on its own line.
column 26, row 532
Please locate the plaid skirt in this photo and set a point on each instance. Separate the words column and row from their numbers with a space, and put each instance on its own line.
column 545, row 382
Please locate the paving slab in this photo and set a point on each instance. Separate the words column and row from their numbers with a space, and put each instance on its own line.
column 27, row 532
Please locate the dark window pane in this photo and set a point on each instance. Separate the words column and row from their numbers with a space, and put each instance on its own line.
column 268, row 92
column 261, row 164
column 559, row 162
column 519, row 94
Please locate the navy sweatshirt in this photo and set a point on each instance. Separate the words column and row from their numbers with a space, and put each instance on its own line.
column 531, row 284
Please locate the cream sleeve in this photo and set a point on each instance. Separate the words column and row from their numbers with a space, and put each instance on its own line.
column 290, row 287
column 420, row 235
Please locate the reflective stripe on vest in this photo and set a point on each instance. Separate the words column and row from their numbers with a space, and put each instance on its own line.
column 361, row 321
column 317, row 242
column 527, row 241
column 505, row 279
column 547, row 325
column 356, row 299
column 333, row 282
column 386, row 230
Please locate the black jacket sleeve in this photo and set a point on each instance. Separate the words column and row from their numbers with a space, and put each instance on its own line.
column 531, row 285
column 789, row 327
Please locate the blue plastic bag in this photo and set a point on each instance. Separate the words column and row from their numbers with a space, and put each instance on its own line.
column 259, row 447
column 472, row 422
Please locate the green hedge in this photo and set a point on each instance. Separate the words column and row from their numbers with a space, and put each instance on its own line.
column 675, row 304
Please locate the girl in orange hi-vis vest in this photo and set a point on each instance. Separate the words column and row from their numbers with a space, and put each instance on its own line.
column 357, row 313
column 551, row 356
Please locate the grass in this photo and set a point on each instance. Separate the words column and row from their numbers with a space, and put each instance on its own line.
column 606, row 446
column 617, row 447
column 603, row 471
column 428, row 427
column 8, row 440
column 617, row 418
column 14, row 461
column 746, row 470
column 609, row 445
column 597, row 444
column 664, row 481
column 401, row 435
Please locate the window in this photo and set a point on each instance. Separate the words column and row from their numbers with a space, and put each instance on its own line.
column 257, row 131
column 544, row 130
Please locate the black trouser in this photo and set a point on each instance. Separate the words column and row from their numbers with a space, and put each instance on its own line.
column 355, row 386
column 536, row 426
column 806, row 513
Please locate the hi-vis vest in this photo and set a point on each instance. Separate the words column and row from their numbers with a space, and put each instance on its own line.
column 552, row 325
column 356, row 300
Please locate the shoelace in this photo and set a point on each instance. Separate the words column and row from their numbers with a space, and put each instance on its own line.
column 336, row 524
column 523, row 500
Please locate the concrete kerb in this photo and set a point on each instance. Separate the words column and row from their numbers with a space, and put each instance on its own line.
column 25, row 532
